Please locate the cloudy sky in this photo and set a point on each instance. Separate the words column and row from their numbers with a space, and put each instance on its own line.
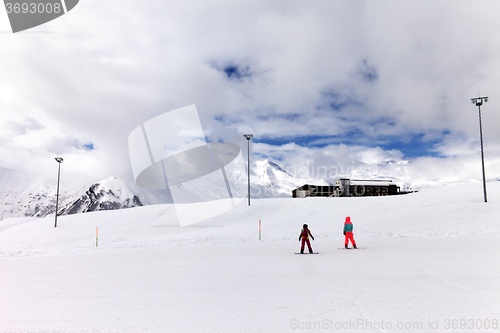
column 361, row 88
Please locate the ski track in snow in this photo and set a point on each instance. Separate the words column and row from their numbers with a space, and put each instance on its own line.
column 455, row 284
column 392, row 217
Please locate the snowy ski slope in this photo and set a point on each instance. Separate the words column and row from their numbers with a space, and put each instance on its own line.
column 431, row 258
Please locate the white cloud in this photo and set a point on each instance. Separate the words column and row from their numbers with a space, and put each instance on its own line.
column 336, row 161
column 110, row 66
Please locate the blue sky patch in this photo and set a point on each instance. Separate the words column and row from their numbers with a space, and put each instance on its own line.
column 236, row 72
column 411, row 146
column 368, row 73
column 337, row 101
column 416, row 146
column 89, row 146
column 390, row 121
column 232, row 70
column 285, row 116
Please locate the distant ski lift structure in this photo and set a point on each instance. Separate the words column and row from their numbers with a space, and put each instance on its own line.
column 345, row 187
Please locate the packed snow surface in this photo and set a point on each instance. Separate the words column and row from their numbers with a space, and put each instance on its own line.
column 429, row 262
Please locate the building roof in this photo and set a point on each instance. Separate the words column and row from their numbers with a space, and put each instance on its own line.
column 371, row 183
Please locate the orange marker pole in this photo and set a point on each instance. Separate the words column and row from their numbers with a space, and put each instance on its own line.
column 260, row 233
column 96, row 235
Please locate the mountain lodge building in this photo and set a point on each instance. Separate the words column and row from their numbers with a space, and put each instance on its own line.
column 349, row 188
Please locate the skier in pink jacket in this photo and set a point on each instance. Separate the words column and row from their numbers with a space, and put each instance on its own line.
column 348, row 232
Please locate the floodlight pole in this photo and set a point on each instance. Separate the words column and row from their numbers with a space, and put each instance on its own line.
column 59, row 160
column 479, row 101
column 248, row 137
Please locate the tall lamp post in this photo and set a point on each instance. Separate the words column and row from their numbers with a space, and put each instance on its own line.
column 248, row 137
column 479, row 101
column 58, row 160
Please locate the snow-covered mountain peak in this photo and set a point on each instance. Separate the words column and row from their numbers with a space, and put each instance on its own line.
column 39, row 200
column 271, row 180
column 277, row 167
column 108, row 194
column 268, row 180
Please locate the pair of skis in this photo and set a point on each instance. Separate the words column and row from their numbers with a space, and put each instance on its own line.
column 340, row 248
column 351, row 248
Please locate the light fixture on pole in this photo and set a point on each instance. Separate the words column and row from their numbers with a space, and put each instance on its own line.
column 248, row 137
column 479, row 101
column 58, row 160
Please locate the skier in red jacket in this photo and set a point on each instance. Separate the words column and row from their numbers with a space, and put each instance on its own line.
column 304, row 235
column 348, row 232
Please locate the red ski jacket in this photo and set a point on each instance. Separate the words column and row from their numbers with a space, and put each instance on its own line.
column 305, row 234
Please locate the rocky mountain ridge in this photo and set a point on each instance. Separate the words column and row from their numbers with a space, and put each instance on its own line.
column 267, row 180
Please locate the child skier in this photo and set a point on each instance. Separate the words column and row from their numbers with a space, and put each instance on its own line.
column 304, row 235
column 348, row 232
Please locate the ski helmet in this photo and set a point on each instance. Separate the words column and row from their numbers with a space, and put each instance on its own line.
column 304, row 226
